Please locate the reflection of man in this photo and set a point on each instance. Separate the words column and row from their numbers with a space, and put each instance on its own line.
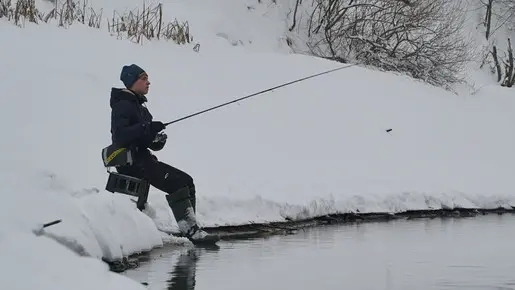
column 183, row 274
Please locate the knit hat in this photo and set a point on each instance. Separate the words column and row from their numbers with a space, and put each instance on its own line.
column 130, row 74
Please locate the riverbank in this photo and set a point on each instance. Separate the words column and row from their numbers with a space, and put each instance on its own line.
column 262, row 230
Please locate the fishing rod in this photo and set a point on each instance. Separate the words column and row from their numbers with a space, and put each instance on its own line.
column 258, row 93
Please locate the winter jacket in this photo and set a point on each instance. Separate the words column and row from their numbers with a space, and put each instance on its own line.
column 131, row 122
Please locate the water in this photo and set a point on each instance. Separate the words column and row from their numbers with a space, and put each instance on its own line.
column 468, row 253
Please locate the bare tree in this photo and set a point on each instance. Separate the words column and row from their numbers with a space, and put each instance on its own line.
column 503, row 11
column 488, row 17
column 499, row 13
column 509, row 69
column 418, row 37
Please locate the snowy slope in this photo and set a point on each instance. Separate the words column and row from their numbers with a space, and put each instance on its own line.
column 313, row 148
column 30, row 262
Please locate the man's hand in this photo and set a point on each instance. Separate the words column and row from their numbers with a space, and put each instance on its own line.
column 157, row 126
column 159, row 142
column 153, row 128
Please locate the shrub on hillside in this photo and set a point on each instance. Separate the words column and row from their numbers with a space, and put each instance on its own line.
column 68, row 12
column 21, row 10
column 146, row 24
column 422, row 38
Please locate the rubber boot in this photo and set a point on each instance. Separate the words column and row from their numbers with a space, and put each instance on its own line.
column 193, row 198
column 180, row 204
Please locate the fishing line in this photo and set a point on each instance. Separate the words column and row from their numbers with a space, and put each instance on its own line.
column 259, row 93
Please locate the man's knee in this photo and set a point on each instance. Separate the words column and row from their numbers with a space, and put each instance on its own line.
column 189, row 181
column 192, row 191
column 168, row 178
column 178, row 175
column 180, row 194
column 185, row 177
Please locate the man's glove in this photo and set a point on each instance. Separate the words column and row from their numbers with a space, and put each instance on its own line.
column 153, row 128
column 160, row 138
column 156, row 127
column 159, row 142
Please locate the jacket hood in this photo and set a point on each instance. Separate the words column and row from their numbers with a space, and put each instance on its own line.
column 118, row 94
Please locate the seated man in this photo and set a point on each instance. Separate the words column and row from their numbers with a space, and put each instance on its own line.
column 132, row 126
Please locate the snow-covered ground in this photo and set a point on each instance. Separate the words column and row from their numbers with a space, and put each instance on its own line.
column 313, row 148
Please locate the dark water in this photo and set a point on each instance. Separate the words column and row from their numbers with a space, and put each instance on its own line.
column 471, row 253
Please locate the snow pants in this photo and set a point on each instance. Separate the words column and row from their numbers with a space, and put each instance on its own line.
column 178, row 185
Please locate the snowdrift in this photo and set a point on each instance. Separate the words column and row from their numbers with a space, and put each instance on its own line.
column 313, row 148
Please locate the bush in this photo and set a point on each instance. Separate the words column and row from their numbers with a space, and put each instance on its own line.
column 419, row 37
column 70, row 12
column 23, row 9
column 135, row 26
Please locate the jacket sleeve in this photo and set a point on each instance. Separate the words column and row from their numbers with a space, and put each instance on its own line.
column 123, row 132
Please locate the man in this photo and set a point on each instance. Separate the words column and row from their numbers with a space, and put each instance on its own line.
column 132, row 126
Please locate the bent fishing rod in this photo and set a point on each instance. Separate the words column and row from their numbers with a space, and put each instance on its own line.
column 259, row 93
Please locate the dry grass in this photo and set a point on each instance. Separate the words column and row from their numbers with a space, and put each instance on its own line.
column 19, row 12
column 148, row 24
column 134, row 25
column 69, row 12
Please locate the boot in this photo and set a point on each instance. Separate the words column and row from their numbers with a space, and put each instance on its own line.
column 193, row 199
column 180, row 204
column 198, row 236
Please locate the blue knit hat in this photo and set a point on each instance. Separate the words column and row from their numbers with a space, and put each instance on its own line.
column 130, row 74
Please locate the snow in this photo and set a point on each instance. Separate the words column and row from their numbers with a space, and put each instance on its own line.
column 313, row 148
column 51, row 266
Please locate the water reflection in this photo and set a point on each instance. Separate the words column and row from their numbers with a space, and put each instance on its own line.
column 426, row 254
column 183, row 273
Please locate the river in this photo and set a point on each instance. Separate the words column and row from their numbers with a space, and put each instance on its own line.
column 449, row 253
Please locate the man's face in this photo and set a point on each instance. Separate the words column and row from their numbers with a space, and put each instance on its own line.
column 142, row 85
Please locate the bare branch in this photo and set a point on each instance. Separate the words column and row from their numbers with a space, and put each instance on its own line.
column 421, row 38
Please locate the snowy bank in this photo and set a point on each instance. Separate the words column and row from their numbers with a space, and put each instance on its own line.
column 309, row 149
column 32, row 262
column 314, row 148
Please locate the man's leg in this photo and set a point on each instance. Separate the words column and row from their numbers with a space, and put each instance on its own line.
column 173, row 182
column 178, row 179
column 177, row 185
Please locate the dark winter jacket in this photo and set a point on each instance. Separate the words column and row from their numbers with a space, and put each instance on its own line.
column 131, row 122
